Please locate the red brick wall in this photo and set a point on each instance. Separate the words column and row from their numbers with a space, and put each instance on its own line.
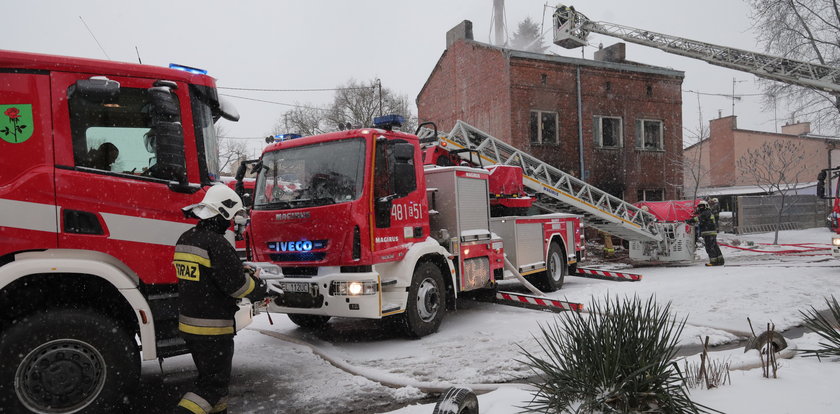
column 483, row 87
column 722, row 150
column 470, row 83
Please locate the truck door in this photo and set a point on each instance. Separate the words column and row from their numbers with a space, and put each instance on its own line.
column 27, row 199
column 114, row 176
column 400, row 202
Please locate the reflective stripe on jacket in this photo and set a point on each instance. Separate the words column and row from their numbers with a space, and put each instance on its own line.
column 211, row 279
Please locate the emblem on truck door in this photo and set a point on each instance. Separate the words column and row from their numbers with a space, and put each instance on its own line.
column 15, row 123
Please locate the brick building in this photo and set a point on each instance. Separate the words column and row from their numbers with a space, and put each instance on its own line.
column 629, row 120
column 714, row 161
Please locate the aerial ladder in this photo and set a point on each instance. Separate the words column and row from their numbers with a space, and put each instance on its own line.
column 571, row 29
column 556, row 190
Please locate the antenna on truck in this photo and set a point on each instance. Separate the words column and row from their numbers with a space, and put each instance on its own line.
column 94, row 38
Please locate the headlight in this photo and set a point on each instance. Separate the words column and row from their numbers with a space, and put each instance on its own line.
column 355, row 288
column 835, row 241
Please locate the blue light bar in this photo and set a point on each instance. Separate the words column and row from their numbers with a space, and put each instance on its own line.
column 189, row 69
column 286, row 137
column 388, row 121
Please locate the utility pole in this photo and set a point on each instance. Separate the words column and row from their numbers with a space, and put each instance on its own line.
column 733, row 94
column 499, row 21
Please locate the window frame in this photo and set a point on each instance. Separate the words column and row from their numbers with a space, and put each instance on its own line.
column 539, row 138
column 640, row 134
column 599, row 132
column 645, row 191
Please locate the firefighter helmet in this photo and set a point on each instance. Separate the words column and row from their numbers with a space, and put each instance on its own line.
column 219, row 200
column 703, row 204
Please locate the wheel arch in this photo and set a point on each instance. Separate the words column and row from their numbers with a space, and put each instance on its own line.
column 561, row 241
column 78, row 279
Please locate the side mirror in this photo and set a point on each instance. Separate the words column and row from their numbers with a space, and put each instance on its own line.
column 382, row 211
column 403, row 152
column 97, row 90
column 169, row 143
column 227, row 110
column 164, row 104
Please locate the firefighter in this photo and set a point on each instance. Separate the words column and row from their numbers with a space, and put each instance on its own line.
column 211, row 279
column 708, row 231
column 714, row 205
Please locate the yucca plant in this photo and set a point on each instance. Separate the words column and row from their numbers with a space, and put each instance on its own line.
column 618, row 358
column 826, row 328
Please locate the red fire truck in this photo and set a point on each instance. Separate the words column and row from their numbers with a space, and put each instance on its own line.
column 87, row 232
column 362, row 228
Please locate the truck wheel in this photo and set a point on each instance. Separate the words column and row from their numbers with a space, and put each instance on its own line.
column 67, row 361
column 555, row 269
column 309, row 321
column 457, row 401
column 426, row 301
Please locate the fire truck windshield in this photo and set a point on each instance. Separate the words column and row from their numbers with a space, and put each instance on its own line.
column 311, row 175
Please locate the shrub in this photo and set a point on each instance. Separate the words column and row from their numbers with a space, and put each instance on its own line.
column 617, row 359
column 821, row 325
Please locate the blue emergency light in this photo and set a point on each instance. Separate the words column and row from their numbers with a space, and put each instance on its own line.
column 388, row 121
column 189, row 69
column 286, row 137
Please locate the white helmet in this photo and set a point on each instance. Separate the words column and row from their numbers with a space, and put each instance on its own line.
column 219, row 200
column 703, row 204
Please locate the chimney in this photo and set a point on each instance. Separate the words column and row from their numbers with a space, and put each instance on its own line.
column 463, row 31
column 799, row 128
column 614, row 53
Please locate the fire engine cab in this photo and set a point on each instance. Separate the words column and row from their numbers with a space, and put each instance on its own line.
column 98, row 158
column 362, row 228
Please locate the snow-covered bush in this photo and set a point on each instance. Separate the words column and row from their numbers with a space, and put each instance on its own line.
column 618, row 358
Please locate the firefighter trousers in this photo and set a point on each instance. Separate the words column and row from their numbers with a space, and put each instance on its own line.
column 713, row 250
column 213, row 356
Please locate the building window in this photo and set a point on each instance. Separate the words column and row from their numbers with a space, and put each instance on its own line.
column 543, row 79
column 608, row 132
column 649, row 90
column 608, row 86
column 543, row 127
column 649, row 134
column 656, row 194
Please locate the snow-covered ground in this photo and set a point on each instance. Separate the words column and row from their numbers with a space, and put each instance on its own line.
column 480, row 343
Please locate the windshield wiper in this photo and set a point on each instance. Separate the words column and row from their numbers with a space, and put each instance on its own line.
column 282, row 205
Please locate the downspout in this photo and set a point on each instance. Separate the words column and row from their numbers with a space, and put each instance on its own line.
column 580, row 123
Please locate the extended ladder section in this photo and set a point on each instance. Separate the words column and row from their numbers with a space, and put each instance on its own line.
column 557, row 191
column 571, row 29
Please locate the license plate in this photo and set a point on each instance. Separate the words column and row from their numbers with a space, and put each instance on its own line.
column 302, row 287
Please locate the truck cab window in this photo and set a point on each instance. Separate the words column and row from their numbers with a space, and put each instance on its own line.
column 114, row 136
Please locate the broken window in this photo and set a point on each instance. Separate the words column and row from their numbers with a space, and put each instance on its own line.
column 543, row 127
column 649, row 134
column 608, row 132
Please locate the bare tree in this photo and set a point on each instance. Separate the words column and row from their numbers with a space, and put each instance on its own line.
column 803, row 30
column 775, row 167
column 354, row 105
column 231, row 151
column 304, row 120
column 528, row 37
column 692, row 167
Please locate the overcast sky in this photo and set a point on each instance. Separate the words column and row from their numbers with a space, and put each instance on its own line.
column 310, row 44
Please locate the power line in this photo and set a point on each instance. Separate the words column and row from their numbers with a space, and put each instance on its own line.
column 274, row 102
column 295, row 90
column 728, row 95
column 242, row 138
